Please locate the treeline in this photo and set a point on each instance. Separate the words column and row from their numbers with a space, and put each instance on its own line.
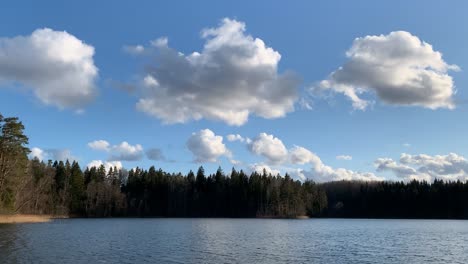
column 415, row 199
column 63, row 188
column 57, row 187
column 157, row 193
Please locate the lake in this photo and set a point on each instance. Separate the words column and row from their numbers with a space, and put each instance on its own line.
column 235, row 241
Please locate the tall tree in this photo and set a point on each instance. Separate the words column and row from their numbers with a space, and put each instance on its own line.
column 13, row 159
column 77, row 189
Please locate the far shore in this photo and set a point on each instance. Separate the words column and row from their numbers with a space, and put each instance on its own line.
column 25, row 218
column 31, row 218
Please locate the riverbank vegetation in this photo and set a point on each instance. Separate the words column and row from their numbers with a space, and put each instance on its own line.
column 30, row 186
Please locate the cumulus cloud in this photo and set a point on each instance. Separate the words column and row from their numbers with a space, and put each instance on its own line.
column 122, row 151
column 402, row 171
column 53, row 154
column 155, row 154
column 294, row 173
column 273, row 149
column 297, row 173
column 321, row 172
column 270, row 147
column 399, row 67
column 301, row 155
column 37, row 153
column 233, row 77
column 236, row 137
column 99, row 145
column 206, row 146
column 344, row 157
column 125, row 151
column 261, row 167
column 107, row 164
column 425, row 167
column 58, row 67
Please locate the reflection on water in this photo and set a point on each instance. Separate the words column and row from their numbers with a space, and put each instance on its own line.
column 235, row 241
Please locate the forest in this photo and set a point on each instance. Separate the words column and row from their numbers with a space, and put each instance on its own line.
column 65, row 188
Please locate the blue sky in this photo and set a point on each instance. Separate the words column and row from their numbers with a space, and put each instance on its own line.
column 311, row 37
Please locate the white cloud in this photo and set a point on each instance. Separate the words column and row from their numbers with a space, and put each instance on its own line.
column 269, row 147
column 107, row 164
column 236, row 137
column 206, row 146
column 425, row 167
column 275, row 152
column 301, row 155
column 399, row 67
column 260, row 167
column 125, row 151
column 55, row 65
column 344, row 157
column 233, row 77
column 53, row 154
column 38, row 153
column 297, row 174
column 294, row 173
column 401, row 171
column 321, row 172
column 407, row 145
column 150, row 81
column 99, row 145
column 122, row 151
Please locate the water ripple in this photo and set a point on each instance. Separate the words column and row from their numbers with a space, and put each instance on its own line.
column 235, row 241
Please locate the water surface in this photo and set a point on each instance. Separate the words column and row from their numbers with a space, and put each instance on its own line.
column 235, row 241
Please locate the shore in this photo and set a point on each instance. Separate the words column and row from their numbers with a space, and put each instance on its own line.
column 30, row 218
column 24, row 218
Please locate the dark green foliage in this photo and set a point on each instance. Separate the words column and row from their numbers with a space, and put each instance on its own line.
column 158, row 193
column 77, row 189
column 415, row 199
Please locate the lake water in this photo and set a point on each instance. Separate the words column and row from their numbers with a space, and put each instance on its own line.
column 235, row 241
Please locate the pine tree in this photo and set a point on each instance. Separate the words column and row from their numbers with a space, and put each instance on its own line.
column 77, row 189
column 13, row 159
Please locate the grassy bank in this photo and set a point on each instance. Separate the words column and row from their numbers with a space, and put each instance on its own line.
column 24, row 218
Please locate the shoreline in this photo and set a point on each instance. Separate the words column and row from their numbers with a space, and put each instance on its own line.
column 37, row 218
column 33, row 218
column 27, row 218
